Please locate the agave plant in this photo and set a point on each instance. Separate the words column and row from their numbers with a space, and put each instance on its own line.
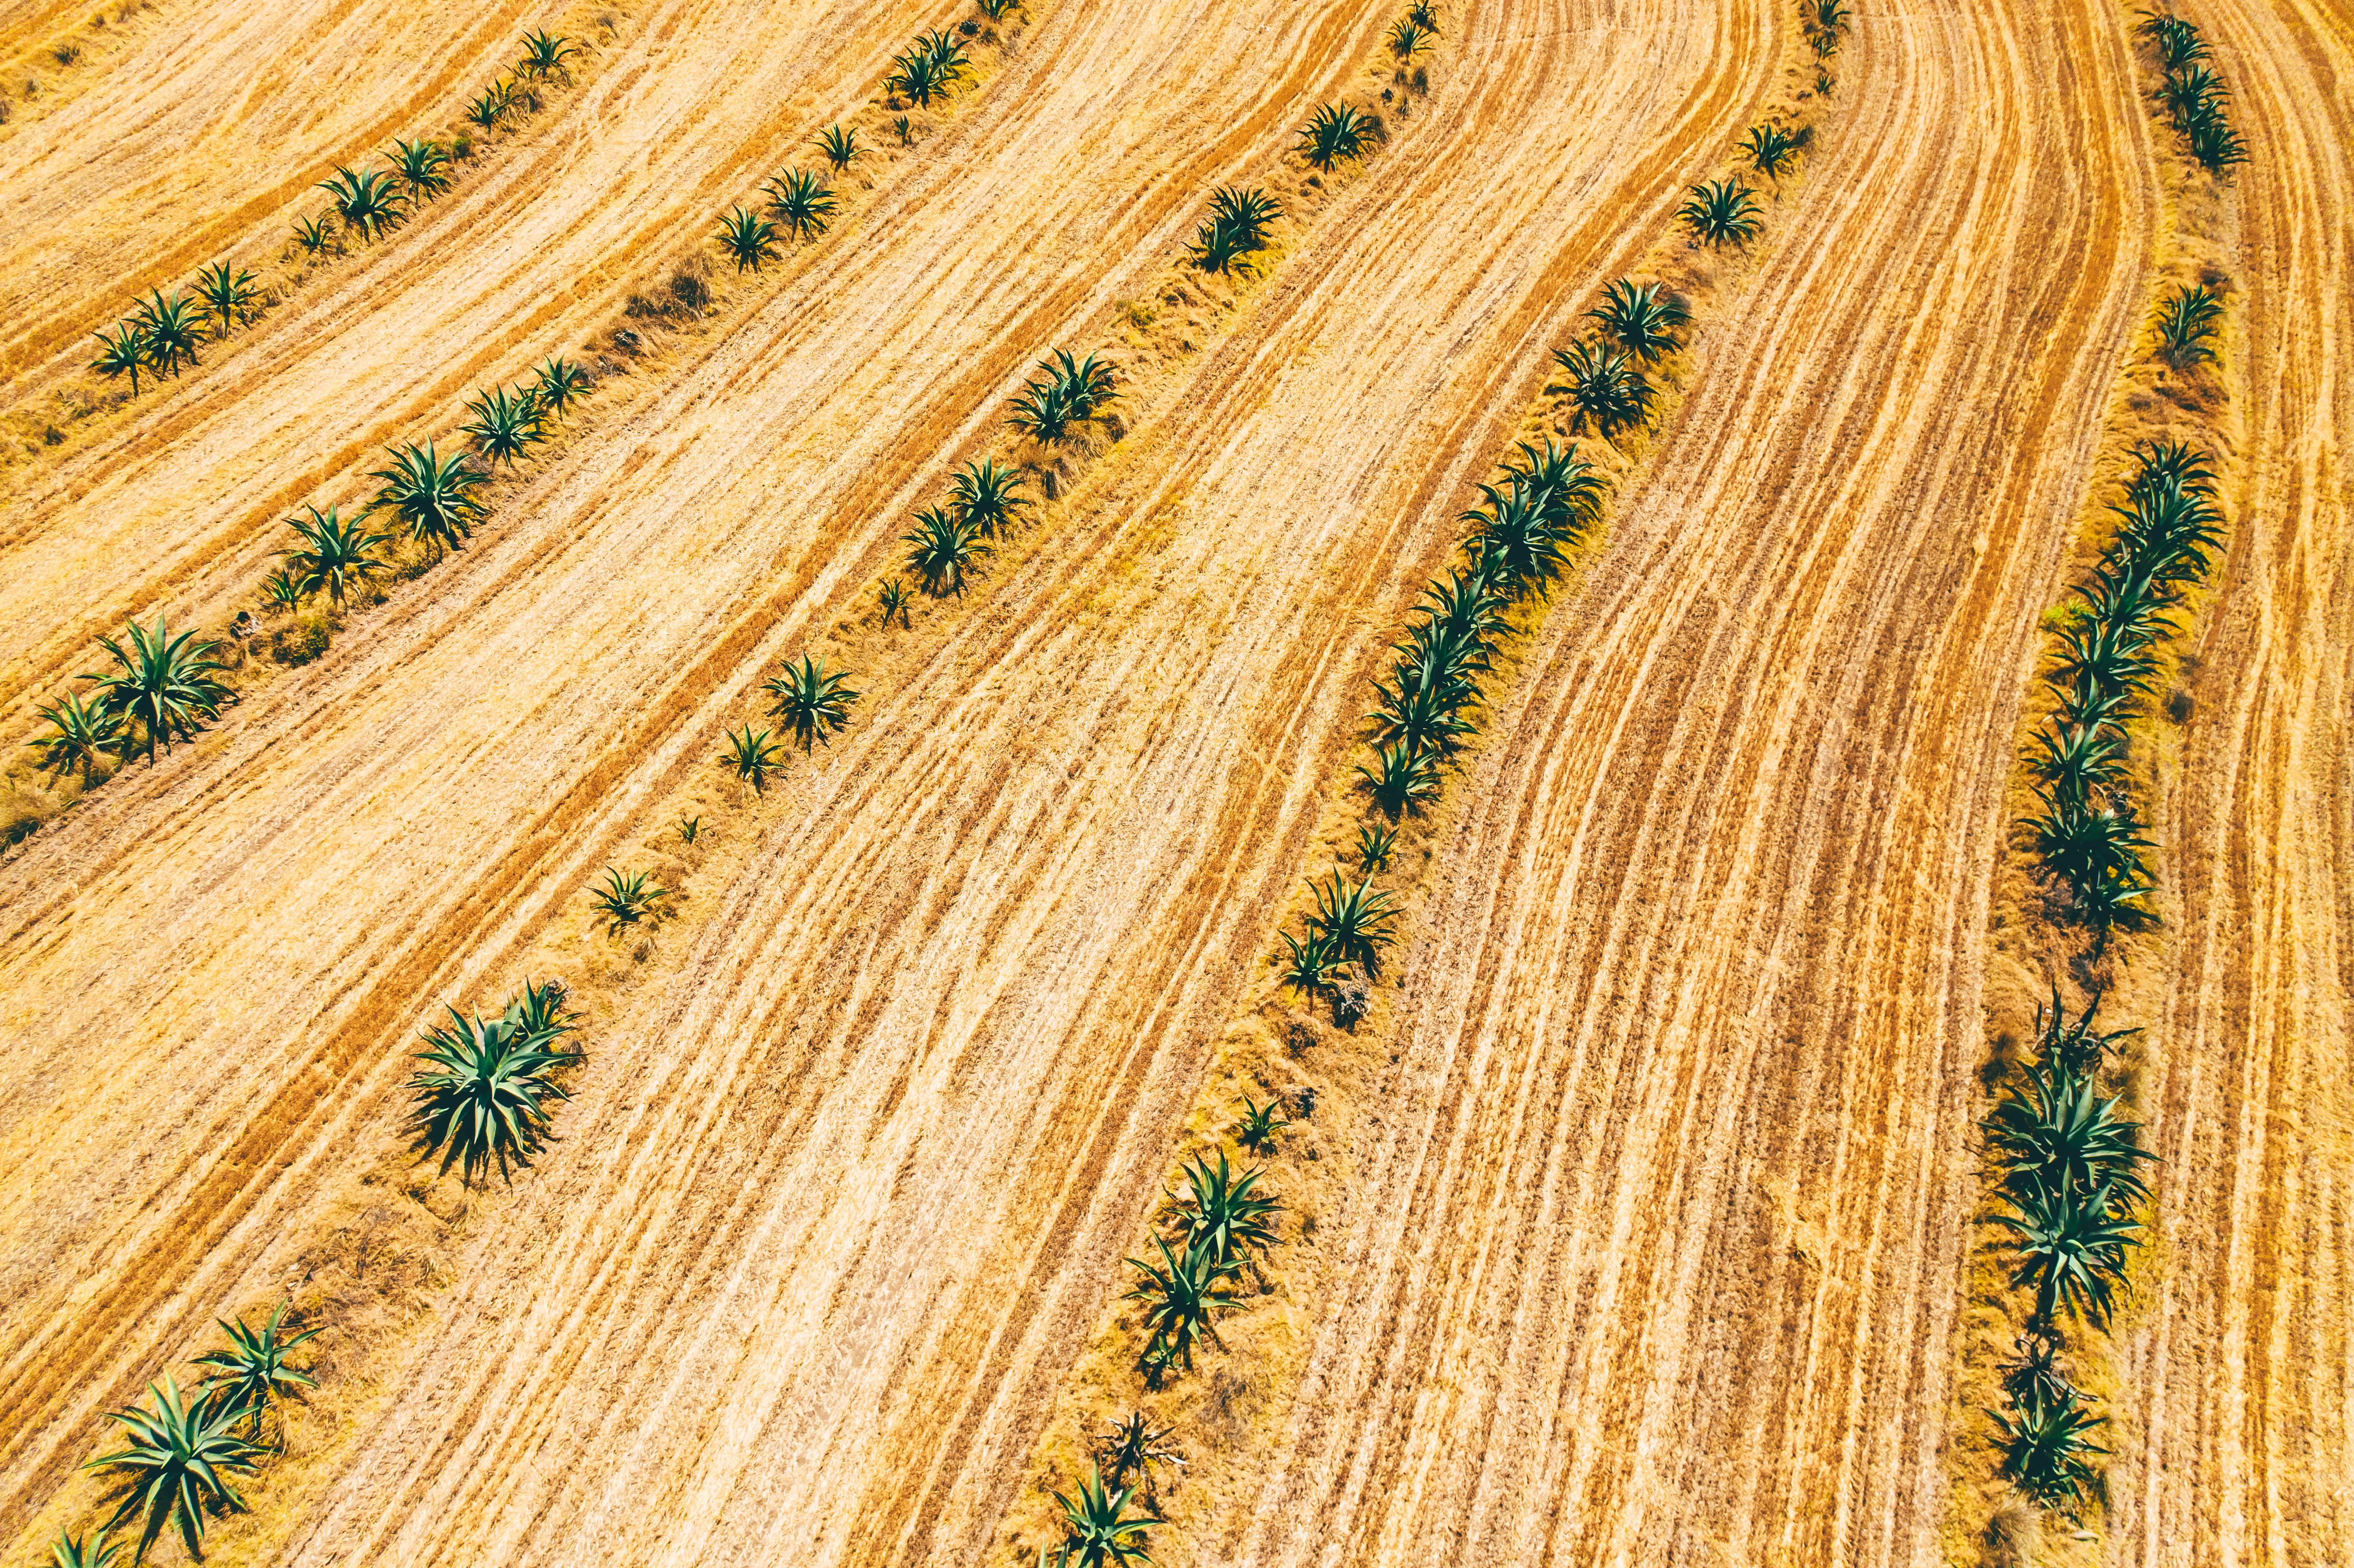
column 1134, row 1447
column 1097, row 1530
column 750, row 755
column 1605, row 386
column 1424, row 716
column 1355, row 921
column 2072, row 1047
column 165, row 684
column 281, row 591
column 171, row 330
column 892, row 599
column 2213, row 143
column 2189, row 94
column 1375, row 845
column 1235, row 228
column 1770, row 149
column 421, row 166
column 1722, row 212
column 929, row 68
column 2073, row 762
column 1825, row 15
column 175, row 1467
column 82, row 735
column 801, row 203
column 543, row 55
column 122, row 352
column 840, row 145
column 2177, row 40
column 1566, row 490
column 995, row 10
column 484, row 1088
column 1063, row 393
column 434, row 499
column 2058, row 1133
column 1307, row 964
column 2036, row 1371
column 815, row 702
column 629, row 899
column 988, row 495
column 313, row 236
column 83, row 1550
column 488, row 108
column 367, row 201
column 504, row 424
column 1182, row 1296
column 1336, row 134
column 943, row 546
column 253, row 1372
column 1223, row 1212
column 2048, row 1449
column 748, row 239
column 1423, row 14
column 1640, row 320
column 1257, row 1128
column 2072, row 1248
column 1515, row 535
column 1407, row 38
column 1399, row 779
column 226, row 295
column 558, row 384
column 334, row 554
column 2083, row 843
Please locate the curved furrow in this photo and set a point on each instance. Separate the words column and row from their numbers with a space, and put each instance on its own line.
column 180, row 508
column 2234, row 1419
column 1652, row 1254
column 839, row 1206
column 207, row 129
column 363, row 836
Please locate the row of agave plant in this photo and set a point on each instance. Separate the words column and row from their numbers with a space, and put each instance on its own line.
column 482, row 1094
column 166, row 686
column 2193, row 97
column 163, row 333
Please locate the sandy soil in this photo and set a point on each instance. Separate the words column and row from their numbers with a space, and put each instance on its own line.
column 1653, row 1251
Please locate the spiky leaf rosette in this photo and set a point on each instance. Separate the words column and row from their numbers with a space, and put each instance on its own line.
column 814, row 701
column 167, row 685
column 1097, row 1530
column 253, row 1372
column 1355, row 921
column 333, row 554
column 2048, row 1448
column 942, row 547
column 434, row 497
column 1224, row 1209
column 82, row 734
column 484, row 1091
column 1641, row 320
column 2072, row 1248
column 1722, row 212
column 1183, row 1298
column 176, row 1467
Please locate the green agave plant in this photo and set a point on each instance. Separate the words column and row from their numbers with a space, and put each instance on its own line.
column 176, row 1467
column 1337, row 133
column 484, row 1089
column 1064, row 392
column 930, row 68
column 83, row 1552
column 1605, row 386
column 840, row 145
column 942, row 547
column 283, row 591
column 2072, row 1047
column 122, row 352
column 1722, row 212
column 892, row 598
column 1640, row 320
column 746, row 238
column 366, row 201
column 751, row 754
column 1423, row 14
column 1237, row 227
column 988, row 495
column 1223, row 1212
column 1375, row 845
column 1422, row 716
column 2048, row 1448
column 2213, row 143
column 333, row 554
column 1407, row 38
column 2072, row 1248
column 1771, row 150
column 421, row 166
column 2058, row 1133
column 313, row 236
column 1516, row 536
column 504, row 425
column 487, row 109
column 433, row 498
column 253, row 1372
column 815, row 702
column 629, row 899
column 1257, row 1128
column 1097, row 1530
column 2177, row 40
column 82, row 735
column 1182, row 1296
column 558, row 384
column 1399, row 779
column 172, row 329
column 227, row 295
column 1355, row 921
column 1134, row 1447
column 544, row 56
column 1306, row 965
column 167, row 685
column 802, row 202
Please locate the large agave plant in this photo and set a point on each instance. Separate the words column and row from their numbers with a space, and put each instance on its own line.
column 1064, row 392
column 1399, row 779
column 1517, row 535
column 1337, row 133
column 1237, row 227
column 815, row 702
column 1355, row 922
column 1722, row 212
column 930, row 68
column 227, row 295
column 1641, row 320
column 423, row 166
column 171, row 328
column 433, row 498
column 83, row 733
column 942, row 547
column 484, row 1088
column 1609, row 393
column 1771, row 150
column 802, row 203
column 368, row 200
column 1097, row 1530
column 2048, row 1448
column 167, row 685
column 2059, row 1133
column 1182, row 1298
column 988, row 495
column 2071, row 1248
column 1223, row 1211
column 333, row 554
column 746, row 238
column 176, row 1467
column 504, row 425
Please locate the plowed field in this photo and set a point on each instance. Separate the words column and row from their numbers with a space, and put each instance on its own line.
column 1642, row 1197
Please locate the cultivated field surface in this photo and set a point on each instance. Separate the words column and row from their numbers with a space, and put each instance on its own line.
column 1645, row 1216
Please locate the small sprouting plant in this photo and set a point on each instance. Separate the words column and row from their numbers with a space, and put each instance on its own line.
column 313, row 236
column 1305, row 964
column 906, row 138
column 122, row 352
column 1722, row 212
column 1409, row 38
column 1337, row 133
column 892, row 598
column 995, row 10
column 1375, row 844
column 488, row 108
column 631, row 898
column 83, row 1550
column 558, row 384
column 2185, row 321
column 690, row 829
column 1257, row 1128
column 281, row 591
column 751, row 756
column 1423, row 14
column 840, row 145
column 746, row 238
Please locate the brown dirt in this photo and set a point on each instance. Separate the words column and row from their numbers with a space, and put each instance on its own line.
column 1647, row 1246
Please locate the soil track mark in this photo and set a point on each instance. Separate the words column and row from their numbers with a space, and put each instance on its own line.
column 2235, row 1413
